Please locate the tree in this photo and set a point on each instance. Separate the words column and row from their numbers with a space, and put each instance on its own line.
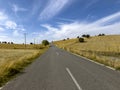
column 101, row 34
column 31, row 43
column 12, row 43
column 83, row 35
column 4, row 42
column 67, row 38
column 78, row 37
column 87, row 36
column 45, row 42
column 8, row 42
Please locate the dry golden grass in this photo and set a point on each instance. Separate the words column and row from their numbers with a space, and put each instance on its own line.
column 103, row 49
column 12, row 61
column 20, row 46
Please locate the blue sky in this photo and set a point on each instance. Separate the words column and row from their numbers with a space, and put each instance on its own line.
column 57, row 19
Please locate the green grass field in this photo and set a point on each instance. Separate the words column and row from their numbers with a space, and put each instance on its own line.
column 103, row 49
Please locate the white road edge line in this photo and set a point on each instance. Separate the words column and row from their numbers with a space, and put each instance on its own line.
column 74, row 80
column 4, row 85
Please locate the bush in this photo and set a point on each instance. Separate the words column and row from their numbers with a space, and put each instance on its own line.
column 45, row 42
column 64, row 39
column 67, row 38
column 78, row 37
column 81, row 39
column 83, row 35
column 87, row 35
column 31, row 43
column 101, row 34
column 12, row 43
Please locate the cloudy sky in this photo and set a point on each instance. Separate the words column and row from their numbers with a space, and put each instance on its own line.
column 57, row 19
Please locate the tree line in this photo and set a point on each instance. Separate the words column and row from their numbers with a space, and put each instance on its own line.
column 81, row 39
column 5, row 42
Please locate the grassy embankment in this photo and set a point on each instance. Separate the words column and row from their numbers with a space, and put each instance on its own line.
column 103, row 49
column 14, row 58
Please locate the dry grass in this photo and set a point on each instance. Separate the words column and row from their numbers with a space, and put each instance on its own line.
column 12, row 61
column 20, row 46
column 103, row 49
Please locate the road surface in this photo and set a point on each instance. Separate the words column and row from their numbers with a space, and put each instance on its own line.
column 59, row 70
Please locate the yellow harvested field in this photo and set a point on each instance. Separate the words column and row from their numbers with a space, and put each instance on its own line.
column 20, row 46
column 101, row 43
column 14, row 55
column 104, row 49
column 12, row 61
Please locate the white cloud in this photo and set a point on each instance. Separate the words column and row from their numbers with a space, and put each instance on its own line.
column 4, row 38
column 16, row 9
column 3, row 16
column 1, row 29
column 10, row 25
column 76, row 28
column 52, row 8
column 16, row 33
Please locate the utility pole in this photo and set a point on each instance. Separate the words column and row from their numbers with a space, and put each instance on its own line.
column 34, row 41
column 25, row 39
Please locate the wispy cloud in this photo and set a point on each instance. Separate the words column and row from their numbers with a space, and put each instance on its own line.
column 64, row 19
column 8, row 25
column 78, row 28
column 16, row 9
column 36, row 6
column 90, row 3
column 53, row 8
column 17, row 29
column 109, row 18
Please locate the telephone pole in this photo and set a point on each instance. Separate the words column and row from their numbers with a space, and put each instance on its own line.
column 34, row 41
column 25, row 39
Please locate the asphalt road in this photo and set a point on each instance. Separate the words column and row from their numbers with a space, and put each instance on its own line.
column 59, row 70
